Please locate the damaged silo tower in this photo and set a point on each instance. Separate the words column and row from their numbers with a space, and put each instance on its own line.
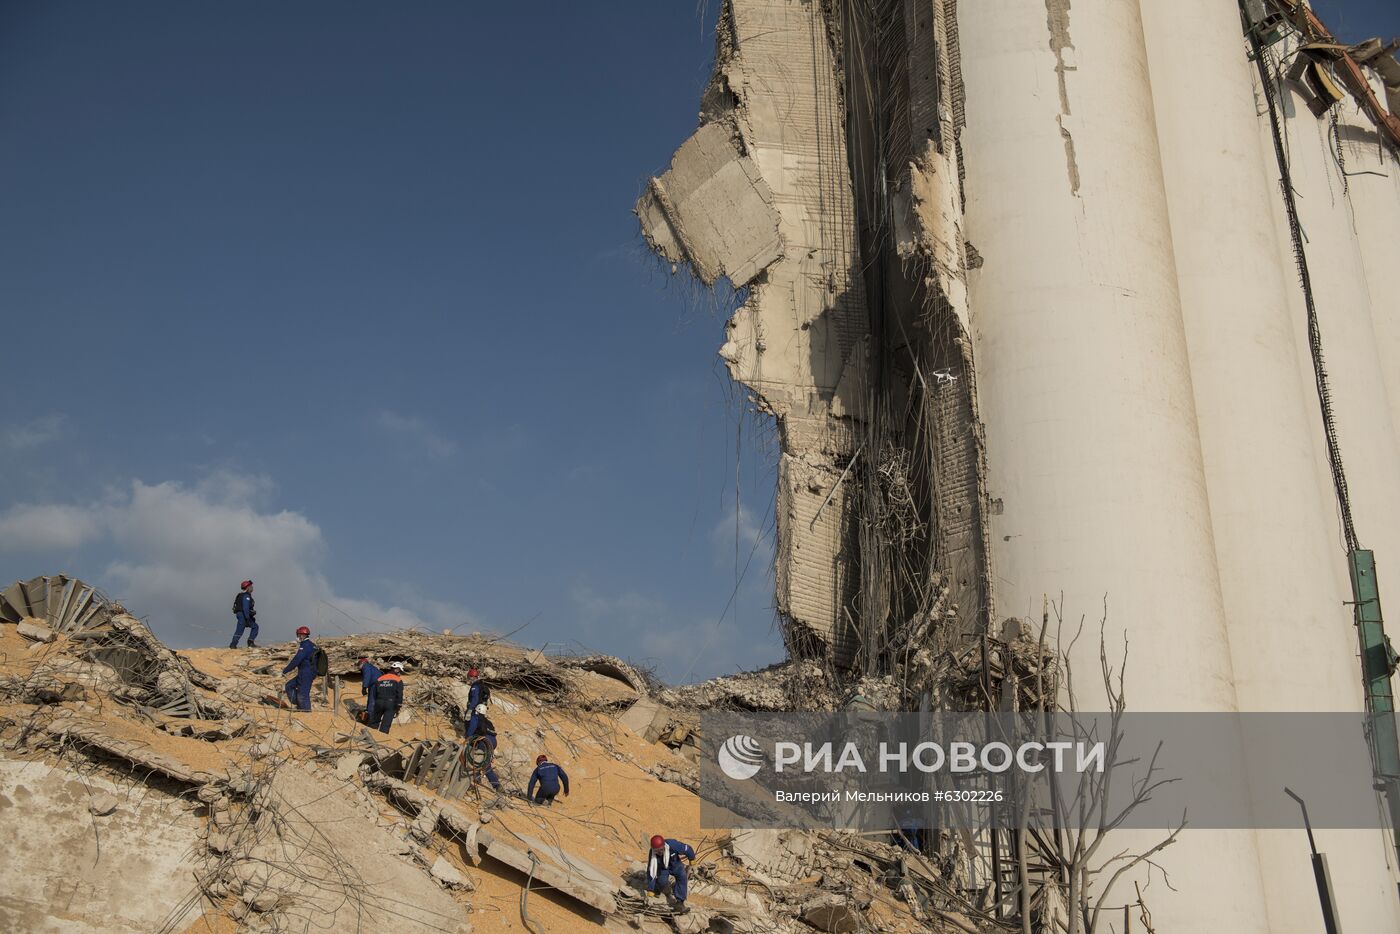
column 1084, row 200
column 854, row 332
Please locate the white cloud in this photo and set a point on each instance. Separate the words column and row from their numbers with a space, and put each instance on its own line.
column 416, row 431
column 48, row 527
column 184, row 549
column 34, row 433
column 744, row 533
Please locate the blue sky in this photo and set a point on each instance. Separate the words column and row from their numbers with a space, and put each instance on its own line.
column 351, row 301
column 347, row 297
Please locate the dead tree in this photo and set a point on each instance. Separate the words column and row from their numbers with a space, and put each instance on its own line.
column 1084, row 870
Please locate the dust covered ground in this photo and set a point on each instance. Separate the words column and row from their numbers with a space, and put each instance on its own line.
column 149, row 790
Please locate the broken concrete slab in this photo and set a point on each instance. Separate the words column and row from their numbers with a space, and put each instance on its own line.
column 778, row 857
column 131, row 877
column 694, row 921
column 569, row 874
column 712, row 209
column 134, row 753
column 35, row 631
column 335, row 862
column 646, row 718
column 830, row 914
column 103, row 804
column 450, row 876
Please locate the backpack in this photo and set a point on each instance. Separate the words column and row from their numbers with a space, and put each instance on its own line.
column 484, row 695
column 323, row 664
column 237, row 603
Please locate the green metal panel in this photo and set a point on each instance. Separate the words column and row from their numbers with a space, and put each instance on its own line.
column 1377, row 665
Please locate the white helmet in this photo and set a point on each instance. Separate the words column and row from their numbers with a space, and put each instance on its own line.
column 481, row 709
column 397, row 666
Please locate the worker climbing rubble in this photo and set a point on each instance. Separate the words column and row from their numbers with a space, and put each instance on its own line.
column 665, row 862
column 486, row 739
column 387, row 695
column 304, row 661
column 550, row 778
column 245, row 611
column 369, row 676
column 478, row 696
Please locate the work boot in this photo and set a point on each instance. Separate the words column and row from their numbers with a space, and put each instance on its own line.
column 233, row 645
column 252, row 644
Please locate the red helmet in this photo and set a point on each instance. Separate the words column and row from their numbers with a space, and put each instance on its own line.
column 471, row 672
column 541, row 758
column 361, row 660
column 303, row 631
column 245, row 585
column 657, row 842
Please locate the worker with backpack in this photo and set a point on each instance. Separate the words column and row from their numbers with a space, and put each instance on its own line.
column 305, row 663
column 246, row 614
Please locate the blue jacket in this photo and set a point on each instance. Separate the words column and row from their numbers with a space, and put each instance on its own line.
column 246, row 606
column 473, row 696
column 668, row 857
column 548, row 776
column 368, row 675
column 304, row 661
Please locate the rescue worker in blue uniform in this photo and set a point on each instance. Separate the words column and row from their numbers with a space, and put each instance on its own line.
column 478, row 696
column 486, row 733
column 245, row 611
column 299, row 688
column 388, row 697
column 909, row 832
column 369, row 674
column 549, row 777
column 663, row 863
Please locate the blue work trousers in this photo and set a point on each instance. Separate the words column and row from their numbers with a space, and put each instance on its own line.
column 244, row 623
column 677, row 871
column 299, row 691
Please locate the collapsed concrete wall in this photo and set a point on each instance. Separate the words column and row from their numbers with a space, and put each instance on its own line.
column 823, row 181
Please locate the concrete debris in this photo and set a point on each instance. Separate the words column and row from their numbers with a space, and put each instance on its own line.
column 128, row 875
column 778, row 857
column 35, row 631
column 282, row 827
column 211, row 731
column 646, row 718
column 348, row 766
column 855, row 336
column 695, row 921
column 322, row 838
column 794, row 685
column 136, row 755
column 570, row 875
column 712, row 209
column 832, row 914
column 449, row 875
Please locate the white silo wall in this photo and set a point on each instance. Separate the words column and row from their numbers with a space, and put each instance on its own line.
column 1282, row 574
column 1373, row 183
column 1346, row 313
column 1084, row 384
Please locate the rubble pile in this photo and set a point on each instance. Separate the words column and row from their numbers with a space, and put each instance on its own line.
column 174, row 792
